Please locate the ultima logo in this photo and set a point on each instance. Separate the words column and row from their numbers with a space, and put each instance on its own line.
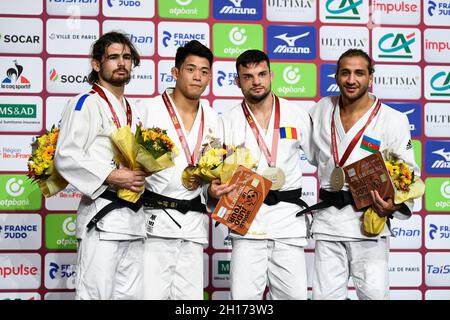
column 396, row 45
column 14, row 78
column 345, row 10
column 18, row 271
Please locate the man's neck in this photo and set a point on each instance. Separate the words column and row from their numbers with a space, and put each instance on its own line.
column 118, row 92
column 352, row 111
column 262, row 110
column 183, row 104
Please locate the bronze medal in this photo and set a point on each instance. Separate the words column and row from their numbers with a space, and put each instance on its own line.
column 337, row 179
column 188, row 180
column 276, row 175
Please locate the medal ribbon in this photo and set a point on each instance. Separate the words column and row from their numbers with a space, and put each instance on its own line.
column 355, row 139
column 173, row 116
column 102, row 94
column 271, row 157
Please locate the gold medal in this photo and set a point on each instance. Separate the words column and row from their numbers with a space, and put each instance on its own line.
column 337, row 179
column 276, row 175
column 188, row 180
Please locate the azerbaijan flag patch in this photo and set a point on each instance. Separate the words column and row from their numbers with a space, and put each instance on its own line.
column 288, row 133
column 370, row 144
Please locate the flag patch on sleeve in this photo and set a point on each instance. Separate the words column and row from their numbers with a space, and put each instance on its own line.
column 370, row 144
column 288, row 133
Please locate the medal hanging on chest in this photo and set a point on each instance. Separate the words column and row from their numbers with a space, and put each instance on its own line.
column 188, row 179
column 272, row 173
column 337, row 177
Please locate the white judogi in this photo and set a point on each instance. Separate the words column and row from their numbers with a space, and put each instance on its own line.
column 84, row 158
column 276, row 232
column 331, row 225
column 167, row 275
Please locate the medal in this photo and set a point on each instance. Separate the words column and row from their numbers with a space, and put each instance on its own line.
column 337, row 179
column 188, row 180
column 276, row 175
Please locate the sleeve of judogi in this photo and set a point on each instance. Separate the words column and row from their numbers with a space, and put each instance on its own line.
column 401, row 144
column 305, row 134
column 79, row 125
column 313, row 155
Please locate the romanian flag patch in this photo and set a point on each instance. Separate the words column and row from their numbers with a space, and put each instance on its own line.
column 370, row 144
column 288, row 133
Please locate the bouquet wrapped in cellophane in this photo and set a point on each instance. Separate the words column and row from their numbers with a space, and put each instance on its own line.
column 219, row 161
column 407, row 186
column 150, row 150
column 40, row 165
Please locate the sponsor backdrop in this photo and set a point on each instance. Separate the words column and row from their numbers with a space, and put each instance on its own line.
column 44, row 60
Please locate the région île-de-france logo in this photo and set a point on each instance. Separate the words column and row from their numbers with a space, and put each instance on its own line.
column 124, row 3
column 440, row 83
column 14, row 78
column 344, row 7
column 398, row 47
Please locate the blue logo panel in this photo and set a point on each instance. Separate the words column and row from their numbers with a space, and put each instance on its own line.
column 237, row 9
column 291, row 42
column 414, row 113
column 437, row 156
column 328, row 86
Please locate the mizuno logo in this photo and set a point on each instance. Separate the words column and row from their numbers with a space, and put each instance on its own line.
column 442, row 153
column 291, row 40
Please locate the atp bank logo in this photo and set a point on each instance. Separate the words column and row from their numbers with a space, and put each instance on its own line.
column 342, row 9
column 414, row 113
column 294, row 80
column 123, row 3
column 181, row 9
column 397, row 45
column 14, row 187
column 236, row 39
column 237, row 9
column 291, row 42
column 437, row 194
column 15, row 79
column 328, row 86
column 437, row 156
column 19, row 193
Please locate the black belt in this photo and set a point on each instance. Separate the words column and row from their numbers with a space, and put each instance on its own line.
column 116, row 203
column 291, row 196
column 153, row 200
column 338, row 199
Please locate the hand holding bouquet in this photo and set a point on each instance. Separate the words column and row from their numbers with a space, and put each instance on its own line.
column 150, row 150
column 219, row 161
column 407, row 186
column 40, row 165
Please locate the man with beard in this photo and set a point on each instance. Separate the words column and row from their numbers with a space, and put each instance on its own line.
column 110, row 231
column 275, row 130
column 346, row 129
column 177, row 226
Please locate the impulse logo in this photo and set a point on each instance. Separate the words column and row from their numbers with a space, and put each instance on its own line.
column 346, row 10
column 288, row 42
column 396, row 46
column 437, row 159
column 237, row 9
column 414, row 114
column 14, row 78
column 328, row 86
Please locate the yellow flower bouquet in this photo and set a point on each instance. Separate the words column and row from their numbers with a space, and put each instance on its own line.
column 149, row 150
column 407, row 186
column 40, row 165
column 219, row 161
